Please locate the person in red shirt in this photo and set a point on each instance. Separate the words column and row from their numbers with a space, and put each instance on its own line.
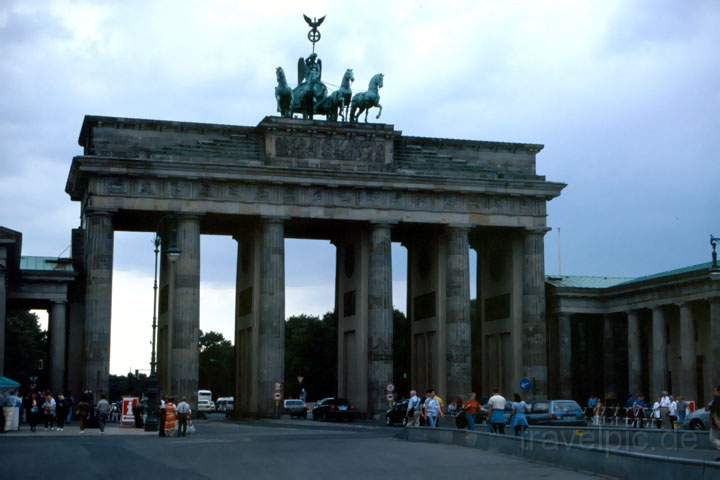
column 472, row 409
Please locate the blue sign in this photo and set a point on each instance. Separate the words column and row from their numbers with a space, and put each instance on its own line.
column 526, row 384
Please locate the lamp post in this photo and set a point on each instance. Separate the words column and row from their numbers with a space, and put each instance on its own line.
column 172, row 252
column 713, row 243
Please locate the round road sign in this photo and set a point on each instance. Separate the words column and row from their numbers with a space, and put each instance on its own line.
column 390, row 387
column 525, row 384
column 277, row 395
column 390, row 397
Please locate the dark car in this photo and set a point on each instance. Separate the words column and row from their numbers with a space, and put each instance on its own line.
column 295, row 408
column 556, row 413
column 333, row 409
column 397, row 414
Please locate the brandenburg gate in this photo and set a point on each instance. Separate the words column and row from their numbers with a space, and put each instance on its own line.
column 359, row 185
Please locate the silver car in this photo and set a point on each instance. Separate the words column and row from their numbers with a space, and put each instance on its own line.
column 698, row 420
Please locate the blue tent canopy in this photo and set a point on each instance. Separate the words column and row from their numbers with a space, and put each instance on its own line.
column 8, row 383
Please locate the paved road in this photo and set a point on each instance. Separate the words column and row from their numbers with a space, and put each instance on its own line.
column 254, row 450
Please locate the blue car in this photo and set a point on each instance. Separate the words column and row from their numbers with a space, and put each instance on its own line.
column 561, row 413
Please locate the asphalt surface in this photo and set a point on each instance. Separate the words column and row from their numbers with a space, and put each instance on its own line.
column 254, row 450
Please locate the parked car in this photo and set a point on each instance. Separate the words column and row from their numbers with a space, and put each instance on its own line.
column 397, row 414
column 556, row 413
column 333, row 409
column 698, row 420
column 295, row 408
column 205, row 405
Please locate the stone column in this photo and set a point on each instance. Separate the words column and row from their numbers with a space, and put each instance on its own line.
column 609, row 357
column 658, row 377
column 380, row 318
column 457, row 320
column 185, row 320
column 713, row 362
column 534, row 329
column 271, row 335
column 565, row 354
column 98, row 299
column 634, row 352
column 688, row 356
column 58, row 347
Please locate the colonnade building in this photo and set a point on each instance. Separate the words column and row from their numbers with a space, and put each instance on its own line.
column 362, row 187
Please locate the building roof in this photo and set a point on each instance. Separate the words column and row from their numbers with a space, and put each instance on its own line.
column 578, row 281
column 46, row 264
column 584, row 281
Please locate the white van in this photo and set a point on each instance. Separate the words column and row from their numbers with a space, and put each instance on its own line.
column 225, row 404
column 205, row 403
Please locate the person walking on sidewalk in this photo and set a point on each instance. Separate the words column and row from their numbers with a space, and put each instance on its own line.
column 49, row 411
column 170, row 417
column 714, row 409
column 432, row 408
column 413, row 410
column 183, row 413
column 61, row 409
column 519, row 420
column 496, row 412
column 472, row 409
column 102, row 411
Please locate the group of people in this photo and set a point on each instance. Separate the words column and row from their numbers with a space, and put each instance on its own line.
column 468, row 414
column 174, row 419
column 38, row 408
column 666, row 412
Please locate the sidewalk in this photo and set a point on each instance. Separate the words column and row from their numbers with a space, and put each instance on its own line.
column 74, row 431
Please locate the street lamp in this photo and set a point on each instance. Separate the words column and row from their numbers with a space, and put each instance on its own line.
column 173, row 253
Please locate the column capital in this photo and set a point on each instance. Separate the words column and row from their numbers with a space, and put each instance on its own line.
column 536, row 230
column 98, row 212
column 382, row 224
column 274, row 219
column 459, row 226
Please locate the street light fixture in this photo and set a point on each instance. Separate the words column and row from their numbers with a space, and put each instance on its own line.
column 173, row 253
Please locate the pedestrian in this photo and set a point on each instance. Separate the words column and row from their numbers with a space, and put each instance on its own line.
column 714, row 409
column 61, row 409
column 433, row 412
column 657, row 413
column 183, row 414
column 161, row 426
column 472, row 409
column 34, row 411
column 496, row 412
column 591, row 405
column 413, row 410
column 665, row 401
column 682, row 407
column 170, row 417
column 49, row 411
column 102, row 409
column 673, row 414
column 459, row 412
column 638, row 412
column 83, row 411
column 598, row 412
column 519, row 420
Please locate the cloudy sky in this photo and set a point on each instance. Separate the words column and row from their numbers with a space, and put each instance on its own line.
column 625, row 96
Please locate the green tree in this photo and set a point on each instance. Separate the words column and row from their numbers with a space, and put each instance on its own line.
column 311, row 352
column 25, row 348
column 217, row 364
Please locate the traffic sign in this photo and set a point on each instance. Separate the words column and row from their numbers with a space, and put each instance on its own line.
column 278, row 386
column 277, row 395
column 300, row 378
column 526, row 384
column 390, row 387
column 390, row 397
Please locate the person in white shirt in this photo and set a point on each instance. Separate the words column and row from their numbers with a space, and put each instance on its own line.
column 183, row 412
column 673, row 413
column 656, row 414
column 413, row 410
column 665, row 401
column 496, row 412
